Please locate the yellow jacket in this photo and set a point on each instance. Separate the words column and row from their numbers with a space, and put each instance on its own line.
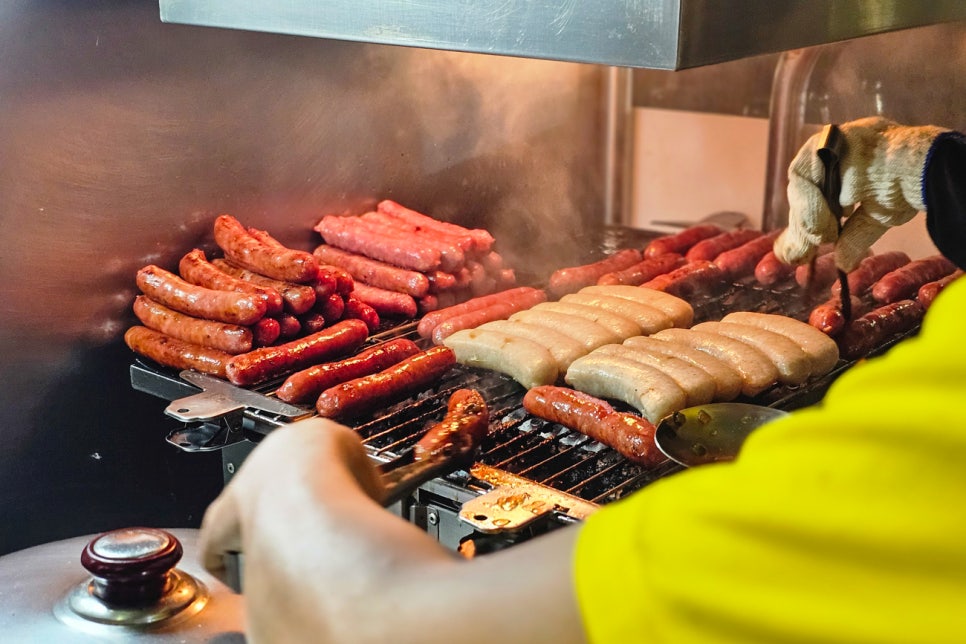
column 844, row 522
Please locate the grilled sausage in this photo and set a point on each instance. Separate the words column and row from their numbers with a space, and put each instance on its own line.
column 680, row 311
column 197, row 301
column 388, row 386
column 356, row 309
column 268, row 362
column 821, row 349
column 482, row 239
column 742, row 260
column 681, row 242
column 374, row 272
column 331, row 307
column 770, row 270
column 829, row 318
column 271, row 260
column 698, row 387
column 296, row 298
column 818, row 275
column 757, row 371
column 928, row 292
column 451, row 255
column 905, row 281
column 589, row 333
column 870, row 270
column 230, row 338
column 647, row 389
column 174, row 353
column 385, row 302
column 526, row 361
column 793, row 364
column 709, row 249
column 629, row 435
column 873, row 329
column 648, row 318
column 358, row 236
column 562, row 347
column 440, row 281
column 194, row 267
column 516, row 299
column 727, row 381
column 573, row 278
column 289, row 326
column 616, row 323
column 266, row 332
column 644, row 271
column 307, row 384
column 693, row 281
column 467, row 418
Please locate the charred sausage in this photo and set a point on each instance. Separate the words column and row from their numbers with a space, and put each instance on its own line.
column 467, row 418
column 905, row 281
column 873, row 329
column 643, row 271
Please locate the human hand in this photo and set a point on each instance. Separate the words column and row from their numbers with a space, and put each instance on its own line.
column 882, row 172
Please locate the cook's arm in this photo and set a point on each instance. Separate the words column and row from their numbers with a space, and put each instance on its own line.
column 324, row 561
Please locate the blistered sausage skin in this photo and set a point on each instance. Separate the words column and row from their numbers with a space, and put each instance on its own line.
column 197, row 301
column 268, row 362
column 829, row 318
column 230, row 338
column 390, row 385
column 629, row 435
column 194, row 267
column 277, row 262
column 305, row 385
column 175, row 353
column 296, row 298
column 467, row 418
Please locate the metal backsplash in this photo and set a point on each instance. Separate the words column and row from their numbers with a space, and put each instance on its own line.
column 122, row 137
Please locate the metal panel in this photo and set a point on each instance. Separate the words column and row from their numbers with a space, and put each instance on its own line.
column 658, row 34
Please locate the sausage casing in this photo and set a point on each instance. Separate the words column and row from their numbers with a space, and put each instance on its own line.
column 197, row 301
column 230, row 338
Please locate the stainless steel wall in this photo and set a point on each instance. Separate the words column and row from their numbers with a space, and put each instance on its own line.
column 120, row 140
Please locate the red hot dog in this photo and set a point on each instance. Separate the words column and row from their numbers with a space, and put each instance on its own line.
column 195, row 268
column 358, row 236
column 374, row 272
column 386, row 302
column 230, row 338
column 175, row 353
column 396, row 383
column 275, row 261
column 522, row 297
column 573, row 278
column 709, row 249
column 873, row 329
column 628, row 434
column 268, row 362
column 466, row 416
column 905, row 281
column 197, row 301
column 296, row 298
column 309, row 383
column 644, row 271
column 742, row 260
column 680, row 243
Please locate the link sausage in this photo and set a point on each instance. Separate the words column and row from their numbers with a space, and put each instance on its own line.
column 175, row 353
column 374, row 272
column 467, row 417
column 195, row 268
column 197, row 301
column 296, row 298
column 574, row 278
column 230, row 338
column 681, row 242
column 271, row 260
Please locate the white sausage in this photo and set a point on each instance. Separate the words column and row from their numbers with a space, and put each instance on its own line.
column 793, row 364
column 562, row 347
column 523, row 360
column 727, row 380
column 698, row 386
column 821, row 349
column 680, row 311
column 590, row 334
column 649, row 318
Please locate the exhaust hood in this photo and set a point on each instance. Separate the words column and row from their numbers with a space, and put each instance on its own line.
column 657, row 34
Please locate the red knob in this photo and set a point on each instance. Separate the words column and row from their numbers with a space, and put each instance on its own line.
column 131, row 566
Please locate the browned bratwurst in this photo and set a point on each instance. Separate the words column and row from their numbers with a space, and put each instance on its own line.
column 261, row 364
column 467, row 418
column 194, row 267
column 230, row 338
column 358, row 236
column 309, row 383
column 170, row 290
column 904, row 282
column 708, row 249
column 643, row 271
column 573, row 278
column 396, row 383
column 628, row 434
column 296, row 298
column 742, row 260
column 873, row 329
column 275, row 261
column 175, row 353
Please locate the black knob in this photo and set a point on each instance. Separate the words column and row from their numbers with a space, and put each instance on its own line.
column 131, row 566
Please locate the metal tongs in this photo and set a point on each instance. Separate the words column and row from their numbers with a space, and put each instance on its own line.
column 830, row 152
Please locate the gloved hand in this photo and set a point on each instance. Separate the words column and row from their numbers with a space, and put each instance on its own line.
column 882, row 175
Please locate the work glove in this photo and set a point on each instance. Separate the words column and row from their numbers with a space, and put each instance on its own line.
column 882, row 177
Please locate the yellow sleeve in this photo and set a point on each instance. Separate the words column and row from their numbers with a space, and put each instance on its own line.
column 843, row 522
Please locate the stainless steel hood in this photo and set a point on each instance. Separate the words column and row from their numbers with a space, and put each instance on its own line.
column 658, row 34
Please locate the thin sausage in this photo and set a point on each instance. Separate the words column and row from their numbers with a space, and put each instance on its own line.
column 374, row 272
column 197, row 301
column 388, row 386
column 385, row 302
column 296, row 298
column 573, row 278
column 742, row 260
column 644, row 271
column 268, row 362
column 355, row 235
column 709, row 249
column 230, row 338
column 467, row 418
column 194, row 267
column 522, row 297
column 681, row 242
column 904, row 282
column 174, row 353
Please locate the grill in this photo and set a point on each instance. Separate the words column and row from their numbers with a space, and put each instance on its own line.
column 530, row 475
